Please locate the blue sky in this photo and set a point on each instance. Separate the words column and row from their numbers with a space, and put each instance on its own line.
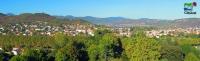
column 155, row 9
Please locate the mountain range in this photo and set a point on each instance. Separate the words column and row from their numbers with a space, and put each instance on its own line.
column 126, row 22
column 110, row 21
column 35, row 17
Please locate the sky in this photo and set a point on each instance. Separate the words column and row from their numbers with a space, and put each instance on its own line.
column 154, row 9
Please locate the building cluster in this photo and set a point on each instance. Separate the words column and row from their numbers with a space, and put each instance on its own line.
column 122, row 31
column 42, row 28
column 14, row 51
column 172, row 32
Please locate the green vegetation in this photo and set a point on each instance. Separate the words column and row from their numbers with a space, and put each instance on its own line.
column 104, row 46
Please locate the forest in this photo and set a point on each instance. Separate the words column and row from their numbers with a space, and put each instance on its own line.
column 103, row 46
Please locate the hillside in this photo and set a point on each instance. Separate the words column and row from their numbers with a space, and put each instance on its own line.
column 186, row 22
column 34, row 17
column 126, row 22
column 111, row 21
column 120, row 21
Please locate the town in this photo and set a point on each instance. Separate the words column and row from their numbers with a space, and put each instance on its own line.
column 42, row 28
column 172, row 32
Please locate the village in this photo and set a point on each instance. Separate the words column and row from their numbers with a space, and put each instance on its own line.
column 42, row 28
column 172, row 32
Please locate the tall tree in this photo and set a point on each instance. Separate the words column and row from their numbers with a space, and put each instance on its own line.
column 61, row 55
column 142, row 48
column 105, row 46
column 191, row 57
column 17, row 58
column 60, row 40
column 93, row 52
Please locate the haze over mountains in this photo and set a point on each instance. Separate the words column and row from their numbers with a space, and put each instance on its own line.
column 111, row 21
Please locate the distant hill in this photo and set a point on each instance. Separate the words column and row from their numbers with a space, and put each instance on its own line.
column 34, row 17
column 119, row 21
column 177, row 23
column 2, row 14
column 126, row 22
column 95, row 20
column 186, row 23
column 110, row 21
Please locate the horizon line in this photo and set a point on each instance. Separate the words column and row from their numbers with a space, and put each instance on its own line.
column 95, row 16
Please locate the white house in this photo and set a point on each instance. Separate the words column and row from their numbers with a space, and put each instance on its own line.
column 15, row 51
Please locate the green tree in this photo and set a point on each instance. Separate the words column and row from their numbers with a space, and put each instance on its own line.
column 60, row 40
column 7, row 47
column 93, row 52
column 171, row 53
column 17, row 58
column 117, row 48
column 60, row 55
column 142, row 48
column 1, row 58
column 128, row 45
column 73, row 51
column 105, row 46
column 169, row 50
column 32, row 54
column 191, row 57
